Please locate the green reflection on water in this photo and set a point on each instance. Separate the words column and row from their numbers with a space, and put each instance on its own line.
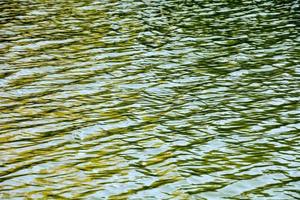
column 149, row 99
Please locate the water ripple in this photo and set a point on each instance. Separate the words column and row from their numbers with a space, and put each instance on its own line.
column 149, row 99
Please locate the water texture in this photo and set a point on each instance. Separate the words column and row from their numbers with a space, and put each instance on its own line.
column 153, row 99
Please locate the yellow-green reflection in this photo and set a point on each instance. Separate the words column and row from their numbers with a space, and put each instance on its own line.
column 149, row 99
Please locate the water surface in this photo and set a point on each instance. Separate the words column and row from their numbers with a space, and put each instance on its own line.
column 156, row 99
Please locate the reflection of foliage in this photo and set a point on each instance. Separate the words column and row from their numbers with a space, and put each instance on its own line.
column 189, row 94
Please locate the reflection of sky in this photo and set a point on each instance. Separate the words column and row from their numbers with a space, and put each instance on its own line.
column 149, row 100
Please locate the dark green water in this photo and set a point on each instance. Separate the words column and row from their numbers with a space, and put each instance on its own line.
column 156, row 99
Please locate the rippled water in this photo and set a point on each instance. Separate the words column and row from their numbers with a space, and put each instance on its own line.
column 164, row 99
